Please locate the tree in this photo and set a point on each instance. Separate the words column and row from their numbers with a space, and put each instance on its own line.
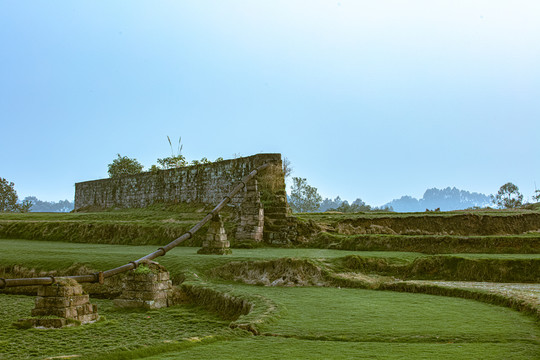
column 25, row 206
column 508, row 196
column 9, row 199
column 304, row 198
column 8, row 196
column 330, row 205
column 123, row 165
column 357, row 206
column 287, row 169
column 536, row 196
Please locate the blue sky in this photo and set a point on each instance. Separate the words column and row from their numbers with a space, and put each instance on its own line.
column 369, row 99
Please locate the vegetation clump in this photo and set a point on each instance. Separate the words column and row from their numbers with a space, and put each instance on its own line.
column 143, row 270
column 9, row 201
column 508, row 196
column 124, row 165
column 304, row 197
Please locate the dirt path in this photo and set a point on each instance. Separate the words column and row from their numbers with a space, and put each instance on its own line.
column 527, row 292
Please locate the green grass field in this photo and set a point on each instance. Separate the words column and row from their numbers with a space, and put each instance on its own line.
column 119, row 330
column 340, row 319
column 329, row 323
column 309, row 323
column 279, row 348
column 293, row 322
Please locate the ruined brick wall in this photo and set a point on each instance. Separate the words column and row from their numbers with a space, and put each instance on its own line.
column 207, row 183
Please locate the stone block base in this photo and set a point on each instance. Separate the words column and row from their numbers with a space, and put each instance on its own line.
column 149, row 287
column 61, row 304
column 216, row 242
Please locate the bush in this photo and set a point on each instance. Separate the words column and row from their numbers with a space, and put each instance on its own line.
column 124, row 166
column 304, row 198
column 9, row 199
column 508, row 196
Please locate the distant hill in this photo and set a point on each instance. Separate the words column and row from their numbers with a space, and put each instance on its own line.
column 446, row 199
column 49, row 206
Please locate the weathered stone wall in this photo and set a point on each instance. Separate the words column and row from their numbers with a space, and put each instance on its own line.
column 208, row 184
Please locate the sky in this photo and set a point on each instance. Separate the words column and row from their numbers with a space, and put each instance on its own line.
column 367, row 99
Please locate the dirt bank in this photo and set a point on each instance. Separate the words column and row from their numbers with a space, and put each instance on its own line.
column 279, row 272
column 458, row 224
column 450, row 268
column 430, row 244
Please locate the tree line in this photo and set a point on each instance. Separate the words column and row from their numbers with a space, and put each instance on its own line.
column 302, row 197
column 305, row 198
column 445, row 199
column 9, row 201
column 49, row 206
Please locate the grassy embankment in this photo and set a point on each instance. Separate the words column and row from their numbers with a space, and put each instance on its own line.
column 49, row 255
column 322, row 322
column 307, row 322
column 494, row 231
column 431, row 233
column 157, row 224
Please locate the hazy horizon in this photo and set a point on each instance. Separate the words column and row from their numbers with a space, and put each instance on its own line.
column 447, row 199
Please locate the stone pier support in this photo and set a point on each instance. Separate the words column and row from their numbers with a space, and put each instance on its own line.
column 62, row 304
column 148, row 286
column 216, row 239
